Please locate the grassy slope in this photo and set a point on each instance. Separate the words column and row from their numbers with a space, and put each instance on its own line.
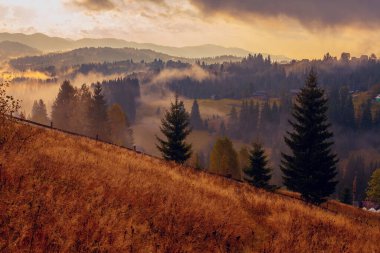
column 64, row 193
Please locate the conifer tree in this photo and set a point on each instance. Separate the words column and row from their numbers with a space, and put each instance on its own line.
column 81, row 114
column 347, row 109
column 98, row 114
column 195, row 116
column 310, row 168
column 233, row 122
column 175, row 127
column 39, row 112
column 366, row 118
column 258, row 173
column 63, row 107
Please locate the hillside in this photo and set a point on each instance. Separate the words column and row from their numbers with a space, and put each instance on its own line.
column 61, row 193
column 14, row 49
column 89, row 55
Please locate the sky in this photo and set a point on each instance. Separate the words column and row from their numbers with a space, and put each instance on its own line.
column 295, row 28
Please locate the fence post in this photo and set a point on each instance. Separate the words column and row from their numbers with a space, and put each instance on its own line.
column 51, row 124
column 97, row 137
column 134, row 148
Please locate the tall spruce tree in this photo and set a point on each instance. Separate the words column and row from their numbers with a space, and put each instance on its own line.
column 175, row 127
column 311, row 167
column 195, row 116
column 258, row 173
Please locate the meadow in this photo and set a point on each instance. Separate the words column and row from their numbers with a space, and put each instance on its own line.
column 62, row 193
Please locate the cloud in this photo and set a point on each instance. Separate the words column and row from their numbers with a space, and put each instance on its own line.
column 310, row 13
column 95, row 5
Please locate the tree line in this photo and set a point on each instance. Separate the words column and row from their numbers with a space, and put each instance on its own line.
column 255, row 73
column 86, row 111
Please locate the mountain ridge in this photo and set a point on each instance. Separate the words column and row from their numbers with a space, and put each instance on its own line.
column 10, row 49
column 51, row 44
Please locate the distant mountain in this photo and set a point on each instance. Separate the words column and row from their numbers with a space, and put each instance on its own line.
column 10, row 49
column 51, row 44
column 89, row 55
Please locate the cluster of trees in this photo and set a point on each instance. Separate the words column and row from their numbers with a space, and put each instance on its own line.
column 234, row 79
column 254, row 119
column 309, row 165
column 125, row 92
column 256, row 73
column 85, row 110
column 342, row 112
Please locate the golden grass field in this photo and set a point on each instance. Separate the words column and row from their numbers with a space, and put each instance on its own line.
column 61, row 193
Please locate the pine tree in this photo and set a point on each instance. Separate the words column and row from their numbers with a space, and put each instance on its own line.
column 224, row 160
column 63, row 107
column 311, row 167
column 258, row 173
column 98, row 114
column 175, row 127
column 195, row 116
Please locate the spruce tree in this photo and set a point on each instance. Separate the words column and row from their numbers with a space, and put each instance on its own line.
column 258, row 173
column 310, row 168
column 98, row 114
column 39, row 112
column 195, row 116
column 233, row 122
column 81, row 114
column 63, row 107
column 175, row 127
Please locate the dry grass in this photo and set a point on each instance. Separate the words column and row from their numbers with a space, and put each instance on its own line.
column 68, row 194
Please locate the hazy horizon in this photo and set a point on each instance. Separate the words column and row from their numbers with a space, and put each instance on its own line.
column 298, row 30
